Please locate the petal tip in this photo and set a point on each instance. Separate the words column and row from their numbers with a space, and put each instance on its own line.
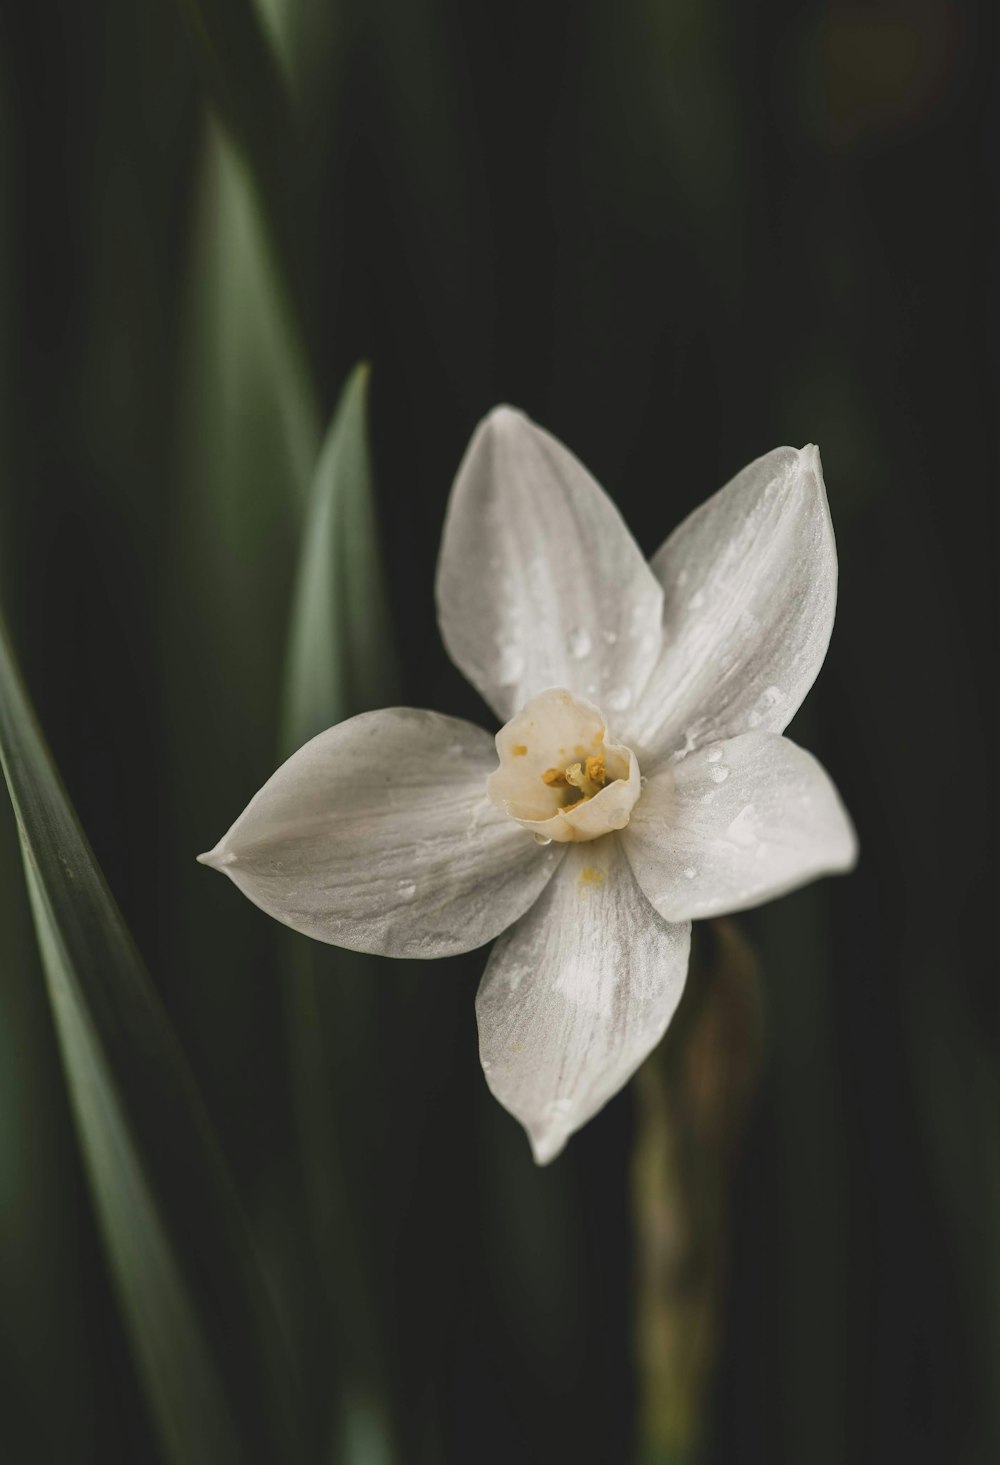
column 504, row 418
column 548, row 1145
column 217, row 858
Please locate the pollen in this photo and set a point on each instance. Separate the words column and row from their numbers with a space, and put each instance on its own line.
column 595, row 769
column 587, row 777
column 591, row 875
column 520, row 750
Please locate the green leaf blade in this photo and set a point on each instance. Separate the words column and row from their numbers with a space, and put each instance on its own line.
column 340, row 653
column 200, row 1322
column 341, row 661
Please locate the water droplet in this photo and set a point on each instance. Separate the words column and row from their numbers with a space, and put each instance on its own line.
column 619, row 698
column 690, row 872
column 579, row 642
column 407, row 889
column 610, row 636
column 487, row 1065
column 713, row 755
column 754, row 718
column 719, row 775
column 541, row 839
column 773, row 696
column 511, row 668
column 707, row 798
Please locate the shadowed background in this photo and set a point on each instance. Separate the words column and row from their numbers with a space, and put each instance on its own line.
column 676, row 235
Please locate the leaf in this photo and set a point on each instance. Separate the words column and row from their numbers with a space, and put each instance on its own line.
column 205, row 1340
column 340, row 662
column 340, row 654
column 245, row 80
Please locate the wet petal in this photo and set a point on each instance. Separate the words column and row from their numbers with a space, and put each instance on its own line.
column 378, row 836
column 750, row 586
column 736, row 824
column 540, row 583
column 577, row 994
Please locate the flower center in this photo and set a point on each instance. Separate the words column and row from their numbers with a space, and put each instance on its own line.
column 561, row 774
column 580, row 780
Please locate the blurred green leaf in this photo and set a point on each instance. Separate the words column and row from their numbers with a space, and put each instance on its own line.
column 201, row 1326
column 340, row 662
column 245, row 80
column 340, row 653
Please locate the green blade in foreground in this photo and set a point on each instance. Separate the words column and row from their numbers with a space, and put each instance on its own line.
column 205, row 1341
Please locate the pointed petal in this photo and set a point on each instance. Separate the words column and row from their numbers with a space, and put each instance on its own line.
column 539, row 582
column 736, row 824
column 750, row 585
column 577, row 994
column 378, row 836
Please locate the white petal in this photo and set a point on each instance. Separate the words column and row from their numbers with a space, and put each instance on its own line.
column 577, row 994
column 736, row 824
column 750, row 586
column 539, row 582
column 378, row 836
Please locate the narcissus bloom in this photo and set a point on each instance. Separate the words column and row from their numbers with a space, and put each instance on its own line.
column 639, row 781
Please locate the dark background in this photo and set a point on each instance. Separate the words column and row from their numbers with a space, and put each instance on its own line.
column 677, row 235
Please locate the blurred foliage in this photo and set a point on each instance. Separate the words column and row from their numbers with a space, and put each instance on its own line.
column 676, row 235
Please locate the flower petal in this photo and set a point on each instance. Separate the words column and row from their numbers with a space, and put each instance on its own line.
column 736, row 824
column 577, row 994
column 378, row 836
column 750, row 583
column 539, row 582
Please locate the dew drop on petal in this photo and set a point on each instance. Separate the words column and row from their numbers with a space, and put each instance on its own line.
column 690, row 872
column 610, row 636
column 579, row 642
column 707, row 798
column 713, row 755
column 754, row 718
column 718, row 775
column 407, row 889
column 619, row 698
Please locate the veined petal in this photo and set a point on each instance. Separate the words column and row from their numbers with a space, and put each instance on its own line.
column 577, row 994
column 750, row 586
column 736, row 824
column 378, row 835
column 539, row 582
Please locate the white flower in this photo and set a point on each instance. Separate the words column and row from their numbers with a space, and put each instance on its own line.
column 643, row 780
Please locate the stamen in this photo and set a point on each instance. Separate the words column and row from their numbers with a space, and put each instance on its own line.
column 596, row 770
column 576, row 776
column 588, row 776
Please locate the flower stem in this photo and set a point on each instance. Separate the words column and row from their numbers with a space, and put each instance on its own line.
column 692, row 1094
